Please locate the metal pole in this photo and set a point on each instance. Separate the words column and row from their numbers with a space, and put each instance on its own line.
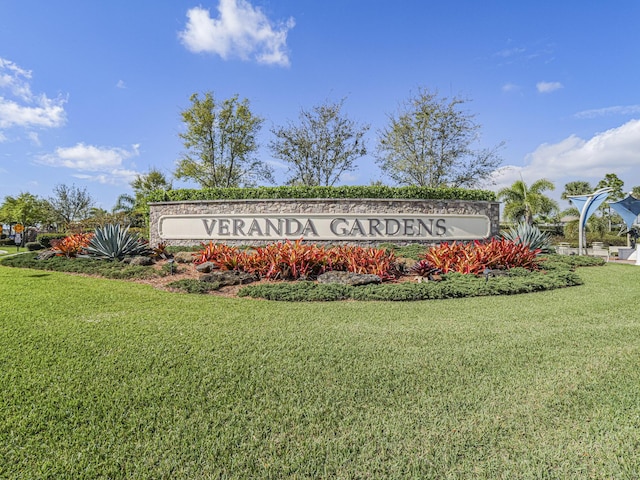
column 581, row 227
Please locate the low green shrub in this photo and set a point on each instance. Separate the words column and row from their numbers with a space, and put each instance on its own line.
column 170, row 268
column 45, row 239
column 88, row 266
column 33, row 246
column 453, row 285
column 300, row 291
column 571, row 262
column 190, row 285
column 7, row 242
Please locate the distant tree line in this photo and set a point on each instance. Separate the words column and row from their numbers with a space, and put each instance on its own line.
column 430, row 141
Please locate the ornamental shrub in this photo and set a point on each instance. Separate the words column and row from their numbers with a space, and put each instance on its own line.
column 112, row 242
column 72, row 245
column 45, row 239
column 474, row 257
column 296, row 260
column 453, row 285
column 191, row 285
column 530, row 235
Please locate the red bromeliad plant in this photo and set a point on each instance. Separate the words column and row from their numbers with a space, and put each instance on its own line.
column 364, row 260
column 475, row 256
column 288, row 260
column 295, row 260
column 71, row 246
column 224, row 256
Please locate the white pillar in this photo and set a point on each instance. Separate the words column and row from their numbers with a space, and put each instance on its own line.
column 637, row 253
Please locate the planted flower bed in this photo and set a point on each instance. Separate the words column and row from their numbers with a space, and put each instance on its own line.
column 289, row 270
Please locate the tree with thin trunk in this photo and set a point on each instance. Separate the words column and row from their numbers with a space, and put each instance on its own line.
column 220, row 144
column 433, row 142
column 70, row 204
column 321, row 147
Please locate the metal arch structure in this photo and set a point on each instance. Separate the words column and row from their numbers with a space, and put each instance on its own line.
column 588, row 204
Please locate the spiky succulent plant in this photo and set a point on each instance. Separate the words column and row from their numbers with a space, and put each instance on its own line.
column 114, row 242
column 530, row 235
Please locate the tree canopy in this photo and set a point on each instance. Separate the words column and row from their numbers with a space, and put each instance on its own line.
column 577, row 187
column 430, row 142
column 26, row 209
column 612, row 181
column 321, row 147
column 70, row 204
column 220, row 143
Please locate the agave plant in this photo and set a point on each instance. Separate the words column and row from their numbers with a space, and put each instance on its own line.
column 530, row 235
column 114, row 242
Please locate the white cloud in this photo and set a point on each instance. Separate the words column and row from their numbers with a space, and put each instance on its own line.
column 104, row 164
column 34, row 137
column 548, row 87
column 613, row 151
column 608, row 111
column 241, row 31
column 117, row 176
column 510, row 87
column 121, row 84
column 20, row 107
column 510, row 52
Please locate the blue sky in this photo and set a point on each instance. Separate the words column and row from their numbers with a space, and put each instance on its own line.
column 91, row 92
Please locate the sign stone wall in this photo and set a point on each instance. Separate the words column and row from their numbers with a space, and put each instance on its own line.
column 358, row 221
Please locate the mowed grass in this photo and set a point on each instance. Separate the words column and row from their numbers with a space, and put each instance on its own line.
column 109, row 379
column 10, row 249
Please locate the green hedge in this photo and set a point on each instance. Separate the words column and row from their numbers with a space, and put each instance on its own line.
column 377, row 191
column 454, row 285
column 44, row 239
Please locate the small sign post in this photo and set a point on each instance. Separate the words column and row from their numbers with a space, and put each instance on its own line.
column 18, row 228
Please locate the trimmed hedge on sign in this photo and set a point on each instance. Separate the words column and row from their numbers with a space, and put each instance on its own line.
column 283, row 192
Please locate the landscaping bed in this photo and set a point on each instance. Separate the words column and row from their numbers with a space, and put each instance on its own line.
column 302, row 271
column 557, row 272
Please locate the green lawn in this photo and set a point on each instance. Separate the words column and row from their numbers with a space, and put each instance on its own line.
column 10, row 249
column 108, row 379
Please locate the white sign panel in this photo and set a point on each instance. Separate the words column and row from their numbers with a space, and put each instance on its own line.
column 338, row 227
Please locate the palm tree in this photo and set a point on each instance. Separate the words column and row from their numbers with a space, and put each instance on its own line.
column 524, row 202
column 134, row 207
column 575, row 188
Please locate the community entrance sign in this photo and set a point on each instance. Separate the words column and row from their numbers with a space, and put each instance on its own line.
column 337, row 227
column 362, row 221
